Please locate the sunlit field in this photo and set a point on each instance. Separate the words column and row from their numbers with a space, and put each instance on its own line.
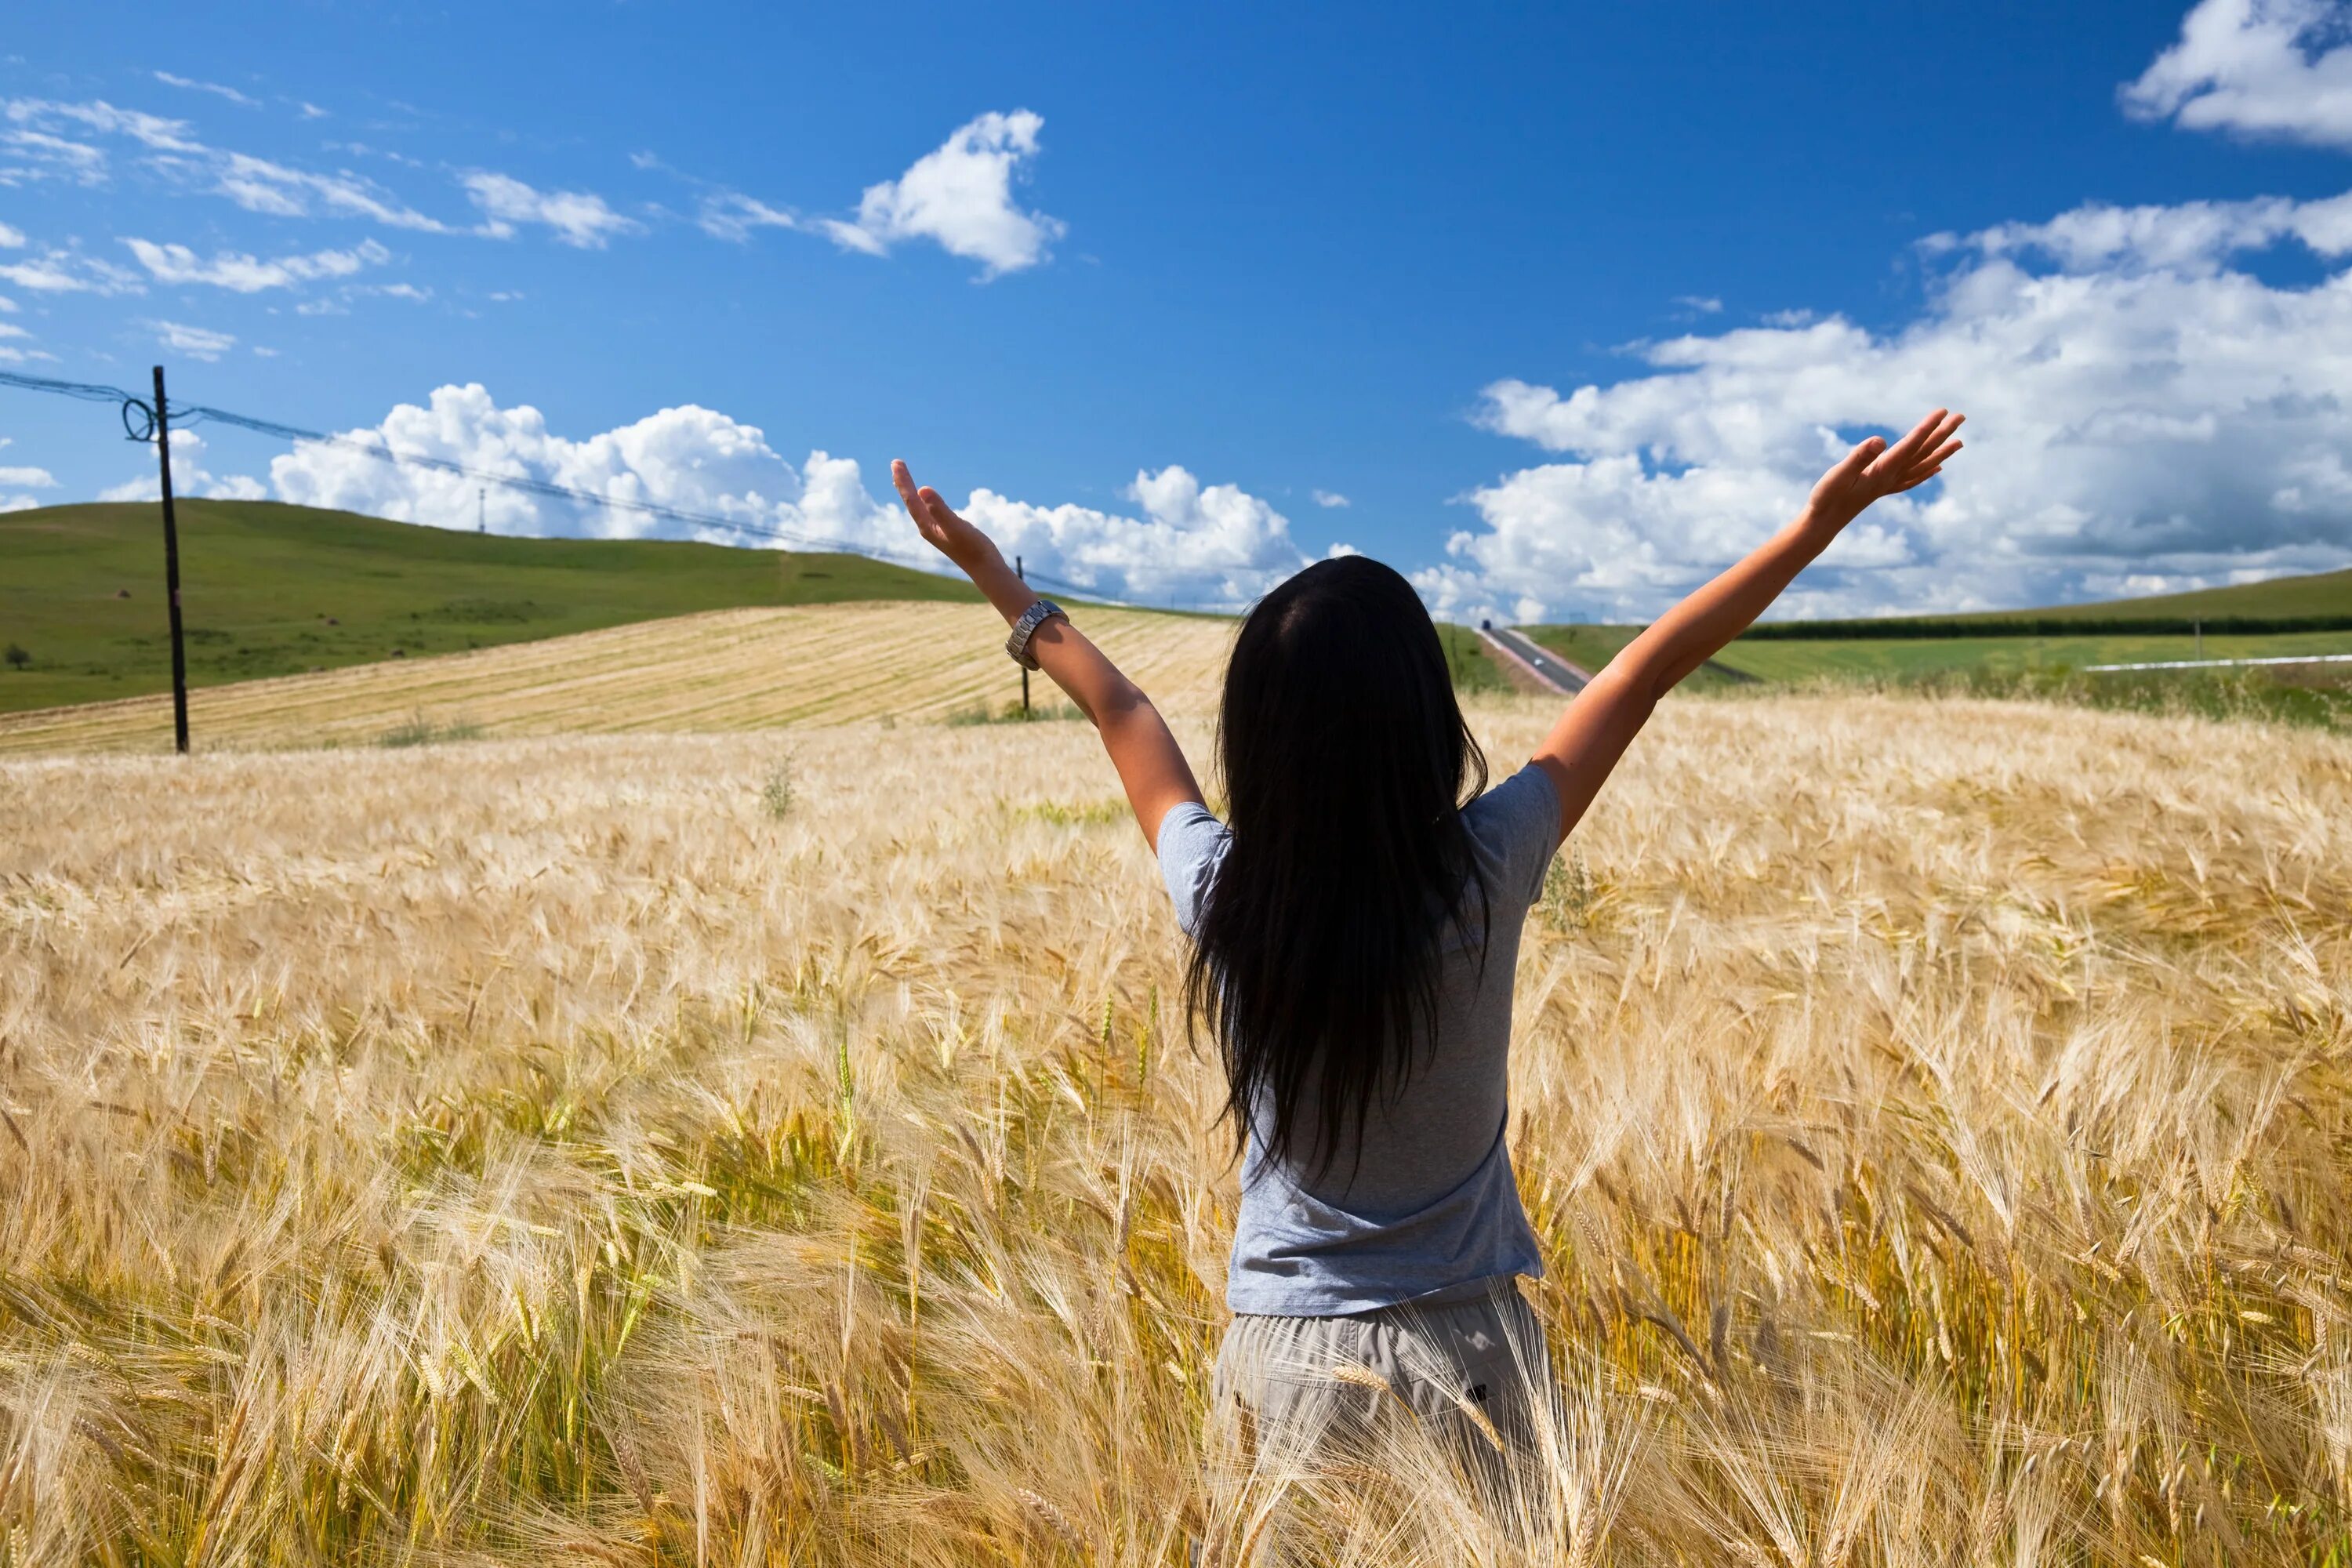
column 783, row 1146
column 723, row 669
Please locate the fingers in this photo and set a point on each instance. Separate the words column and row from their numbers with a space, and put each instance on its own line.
column 905, row 480
column 1864, row 453
column 942, row 515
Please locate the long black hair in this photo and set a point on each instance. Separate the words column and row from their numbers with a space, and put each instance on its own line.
column 1345, row 763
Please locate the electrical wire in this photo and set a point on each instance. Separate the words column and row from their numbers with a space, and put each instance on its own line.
column 138, row 424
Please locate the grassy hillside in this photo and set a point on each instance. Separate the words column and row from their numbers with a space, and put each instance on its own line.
column 2311, row 594
column 1785, row 657
column 269, row 589
column 1466, row 658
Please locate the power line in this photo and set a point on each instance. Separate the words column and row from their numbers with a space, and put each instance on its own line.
column 138, row 424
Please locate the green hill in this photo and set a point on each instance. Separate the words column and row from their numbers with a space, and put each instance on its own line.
column 2285, row 616
column 270, row 589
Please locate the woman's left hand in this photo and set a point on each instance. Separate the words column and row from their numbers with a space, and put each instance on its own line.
column 950, row 535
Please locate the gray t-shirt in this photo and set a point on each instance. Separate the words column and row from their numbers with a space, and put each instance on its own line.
column 1431, row 1210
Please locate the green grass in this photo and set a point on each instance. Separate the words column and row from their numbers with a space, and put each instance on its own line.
column 2311, row 594
column 1789, row 659
column 1467, row 660
column 1904, row 658
column 1591, row 647
column 269, row 589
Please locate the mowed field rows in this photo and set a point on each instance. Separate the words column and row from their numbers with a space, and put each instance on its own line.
column 725, row 669
column 779, row 1148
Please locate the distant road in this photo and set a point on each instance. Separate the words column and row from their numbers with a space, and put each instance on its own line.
column 1546, row 666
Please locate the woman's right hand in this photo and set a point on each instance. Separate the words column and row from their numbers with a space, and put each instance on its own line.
column 1873, row 470
column 950, row 535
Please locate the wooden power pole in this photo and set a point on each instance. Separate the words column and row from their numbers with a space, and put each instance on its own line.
column 172, row 572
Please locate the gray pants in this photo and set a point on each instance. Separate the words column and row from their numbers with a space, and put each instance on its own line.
column 1296, row 1393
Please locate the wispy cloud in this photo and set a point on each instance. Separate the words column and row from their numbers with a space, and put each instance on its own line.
column 732, row 215
column 250, row 274
column 70, row 272
column 196, row 342
column 1331, row 499
column 578, row 217
column 168, row 79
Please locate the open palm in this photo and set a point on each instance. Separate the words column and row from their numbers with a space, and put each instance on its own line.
column 1874, row 469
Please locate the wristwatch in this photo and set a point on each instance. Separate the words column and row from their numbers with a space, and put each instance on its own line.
column 1035, row 615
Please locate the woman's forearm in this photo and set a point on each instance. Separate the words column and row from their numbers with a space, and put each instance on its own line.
column 1696, row 630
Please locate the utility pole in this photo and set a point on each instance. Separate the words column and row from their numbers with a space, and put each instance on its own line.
column 172, row 572
column 1025, row 669
column 2198, row 626
column 482, row 510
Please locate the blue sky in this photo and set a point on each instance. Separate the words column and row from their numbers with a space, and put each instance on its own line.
column 1141, row 286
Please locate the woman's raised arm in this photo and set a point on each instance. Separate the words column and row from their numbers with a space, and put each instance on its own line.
column 1150, row 765
column 1602, row 721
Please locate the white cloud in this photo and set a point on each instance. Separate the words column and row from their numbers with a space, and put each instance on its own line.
column 38, row 155
column 577, row 217
column 11, row 239
column 33, row 149
column 196, row 342
column 1331, row 499
column 36, row 479
column 259, row 185
column 189, row 476
column 960, row 196
column 1704, row 304
column 1215, row 544
column 2272, row 69
column 70, row 272
column 1192, row 542
column 152, row 130
column 249, row 274
column 2141, row 408
column 168, row 79
column 732, row 215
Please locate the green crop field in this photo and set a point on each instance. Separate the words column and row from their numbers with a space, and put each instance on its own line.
column 1788, row 659
column 269, row 589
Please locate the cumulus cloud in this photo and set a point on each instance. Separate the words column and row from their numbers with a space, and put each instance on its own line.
column 196, row 342
column 959, row 196
column 1193, row 543
column 250, row 274
column 189, row 476
column 1331, row 499
column 2142, row 409
column 34, row 478
column 2270, row 69
column 578, row 217
column 11, row 239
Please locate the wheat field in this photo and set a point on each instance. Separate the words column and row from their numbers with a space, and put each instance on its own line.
column 781, row 1147
column 722, row 669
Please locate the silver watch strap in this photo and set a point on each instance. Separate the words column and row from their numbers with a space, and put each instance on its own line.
column 1035, row 615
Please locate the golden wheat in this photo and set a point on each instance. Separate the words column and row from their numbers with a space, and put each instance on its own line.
column 1935, row 1115
column 724, row 670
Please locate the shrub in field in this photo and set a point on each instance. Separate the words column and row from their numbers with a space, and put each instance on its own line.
column 776, row 791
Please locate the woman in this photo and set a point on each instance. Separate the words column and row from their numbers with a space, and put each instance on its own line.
column 1355, row 929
